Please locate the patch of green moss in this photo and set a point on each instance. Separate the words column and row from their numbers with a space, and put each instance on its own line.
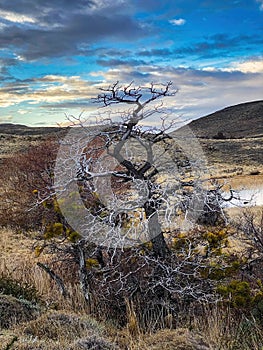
column 216, row 240
column 217, row 272
column 237, row 293
column 53, row 230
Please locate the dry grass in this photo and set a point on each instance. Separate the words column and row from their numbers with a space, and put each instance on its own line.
column 176, row 339
column 58, row 330
column 12, row 144
column 14, row 311
column 15, row 138
column 216, row 329
column 64, row 323
column 62, row 326
column 227, row 330
column 246, row 181
column 53, row 330
column 236, row 212
column 19, row 262
column 233, row 157
column 70, row 328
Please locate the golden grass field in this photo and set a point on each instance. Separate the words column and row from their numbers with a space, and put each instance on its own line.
column 63, row 323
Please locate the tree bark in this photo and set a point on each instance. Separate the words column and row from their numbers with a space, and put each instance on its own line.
column 155, row 232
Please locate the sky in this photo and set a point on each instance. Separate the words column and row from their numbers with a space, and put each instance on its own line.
column 56, row 54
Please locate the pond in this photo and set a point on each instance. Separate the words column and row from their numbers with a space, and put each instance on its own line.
column 247, row 197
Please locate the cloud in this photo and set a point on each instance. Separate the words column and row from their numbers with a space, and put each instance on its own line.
column 16, row 17
column 261, row 4
column 80, row 103
column 5, row 64
column 6, row 118
column 201, row 91
column 115, row 62
column 67, row 41
column 22, row 111
column 49, row 89
column 156, row 52
column 212, row 46
column 63, row 28
column 42, row 9
column 249, row 66
column 177, row 22
column 221, row 43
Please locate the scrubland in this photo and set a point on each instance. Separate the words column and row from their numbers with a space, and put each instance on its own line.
column 36, row 316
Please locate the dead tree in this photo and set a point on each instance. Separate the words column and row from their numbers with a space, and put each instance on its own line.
column 120, row 184
column 130, row 177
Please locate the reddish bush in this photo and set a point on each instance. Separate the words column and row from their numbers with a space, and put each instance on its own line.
column 25, row 177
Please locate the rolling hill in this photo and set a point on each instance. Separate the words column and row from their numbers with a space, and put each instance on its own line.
column 23, row 130
column 231, row 137
column 244, row 120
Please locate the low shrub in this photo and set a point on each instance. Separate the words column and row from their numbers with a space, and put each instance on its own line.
column 94, row 343
column 10, row 286
column 36, row 345
column 63, row 326
column 179, row 339
column 238, row 293
column 14, row 311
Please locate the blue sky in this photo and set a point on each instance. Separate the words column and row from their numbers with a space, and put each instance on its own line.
column 56, row 54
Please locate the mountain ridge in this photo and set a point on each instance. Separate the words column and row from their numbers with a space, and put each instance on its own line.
column 243, row 120
column 24, row 130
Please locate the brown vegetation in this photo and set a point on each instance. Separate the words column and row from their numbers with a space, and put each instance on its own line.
column 235, row 122
column 202, row 295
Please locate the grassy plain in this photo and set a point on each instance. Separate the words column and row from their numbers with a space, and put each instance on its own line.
column 63, row 324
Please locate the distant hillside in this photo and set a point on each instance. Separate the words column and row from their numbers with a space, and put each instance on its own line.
column 241, row 121
column 22, row 130
column 231, row 137
column 244, row 120
column 15, row 138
